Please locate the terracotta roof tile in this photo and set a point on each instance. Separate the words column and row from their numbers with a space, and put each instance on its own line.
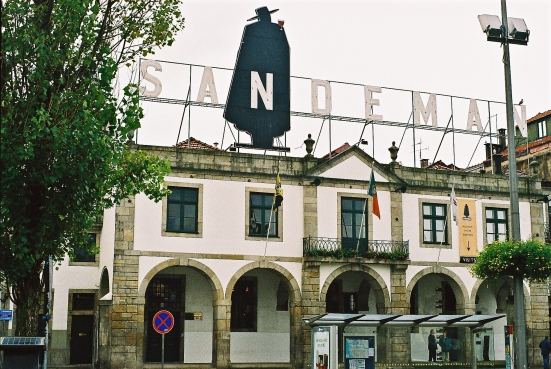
column 196, row 144
column 440, row 165
column 338, row 150
column 539, row 116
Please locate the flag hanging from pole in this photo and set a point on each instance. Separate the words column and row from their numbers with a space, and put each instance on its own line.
column 373, row 193
column 278, row 194
column 453, row 205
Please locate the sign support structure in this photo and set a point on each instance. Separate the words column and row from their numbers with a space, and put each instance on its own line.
column 163, row 322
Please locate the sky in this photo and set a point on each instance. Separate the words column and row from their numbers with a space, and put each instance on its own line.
column 402, row 46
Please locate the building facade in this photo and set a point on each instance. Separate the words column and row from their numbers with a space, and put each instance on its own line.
column 239, row 278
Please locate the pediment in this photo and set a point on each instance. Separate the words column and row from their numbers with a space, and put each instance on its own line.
column 353, row 164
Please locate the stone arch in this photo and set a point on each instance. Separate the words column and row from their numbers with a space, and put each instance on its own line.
column 289, row 278
column 216, row 286
column 104, row 283
column 380, row 288
column 295, row 310
column 479, row 282
column 458, row 287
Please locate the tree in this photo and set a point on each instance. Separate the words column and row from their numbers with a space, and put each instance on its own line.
column 64, row 130
column 530, row 260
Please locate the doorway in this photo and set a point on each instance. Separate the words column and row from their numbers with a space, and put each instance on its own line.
column 82, row 339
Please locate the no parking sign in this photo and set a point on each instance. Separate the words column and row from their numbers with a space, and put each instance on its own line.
column 163, row 322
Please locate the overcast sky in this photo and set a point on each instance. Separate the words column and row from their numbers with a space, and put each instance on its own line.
column 428, row 46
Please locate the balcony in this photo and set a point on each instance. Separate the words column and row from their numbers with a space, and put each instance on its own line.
column 339, row 248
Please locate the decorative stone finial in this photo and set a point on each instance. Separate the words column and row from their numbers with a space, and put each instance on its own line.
column 393, row 152
column 309, row 142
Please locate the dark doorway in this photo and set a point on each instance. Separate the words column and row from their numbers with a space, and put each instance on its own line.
column 82, row 339
column 165, row 293
column 172, row 341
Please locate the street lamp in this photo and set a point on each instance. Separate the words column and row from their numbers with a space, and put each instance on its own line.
column 511, row 31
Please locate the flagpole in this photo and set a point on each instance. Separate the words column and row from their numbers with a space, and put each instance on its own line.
column 271, row 211
column 443, row 236
column 268, row 231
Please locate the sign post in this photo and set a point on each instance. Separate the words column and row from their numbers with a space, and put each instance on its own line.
column 163, row 322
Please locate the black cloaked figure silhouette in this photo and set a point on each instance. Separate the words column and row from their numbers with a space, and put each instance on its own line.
column 264, row 49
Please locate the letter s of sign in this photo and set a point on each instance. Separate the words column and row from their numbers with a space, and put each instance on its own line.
column 148, row 77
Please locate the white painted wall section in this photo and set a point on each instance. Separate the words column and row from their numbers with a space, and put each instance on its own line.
column 353, row 168
column 146, row 263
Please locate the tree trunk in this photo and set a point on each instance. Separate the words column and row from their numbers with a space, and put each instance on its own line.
column 26, row 294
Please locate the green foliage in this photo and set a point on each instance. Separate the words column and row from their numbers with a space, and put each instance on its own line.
column 350, row 253
column 529, row 259
column 64, row 152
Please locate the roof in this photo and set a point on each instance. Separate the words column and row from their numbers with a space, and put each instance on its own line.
column 477, row 168
column 533, row 146
column 376, row 320
column 337, row 151
column 440, row 165
column 196, row 144
column 539, row 116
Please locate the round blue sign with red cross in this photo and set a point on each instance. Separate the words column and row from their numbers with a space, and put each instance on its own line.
column 163, row 322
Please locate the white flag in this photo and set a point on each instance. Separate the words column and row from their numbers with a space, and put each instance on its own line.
column 453, row 204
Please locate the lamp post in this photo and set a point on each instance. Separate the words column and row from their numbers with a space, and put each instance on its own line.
column 499, row 32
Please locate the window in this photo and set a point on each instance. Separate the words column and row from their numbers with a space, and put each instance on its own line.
column 496, row 224
column 82, row 254
column 434, row 223
column 182, row 211
column 83, row 301
column 260, row 211
column 243, row 305
column 353, row 223
column 542, row 129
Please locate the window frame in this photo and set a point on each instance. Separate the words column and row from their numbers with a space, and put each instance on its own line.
column 368, row 214
column 94, row 262
column 495, row 208
column 447, row 244
column 199, row 212
column 354, row 212
column 278, row 220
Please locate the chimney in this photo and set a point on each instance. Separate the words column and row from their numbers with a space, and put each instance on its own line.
column 501, row 139
column 497, row 163
column 424, row 163
column 215, row 145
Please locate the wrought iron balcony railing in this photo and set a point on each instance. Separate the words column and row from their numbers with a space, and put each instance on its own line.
column 338, row 248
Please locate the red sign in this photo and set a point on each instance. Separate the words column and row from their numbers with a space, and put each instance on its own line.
column 163, row 322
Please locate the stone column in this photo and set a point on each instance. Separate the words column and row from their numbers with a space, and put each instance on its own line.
column 296, row 334
column 126, row 319
column 221, row 352
column 104, row 338
column 311, row 305
column 310, row 194
column 396, row 216
column 537, row 322
column 398, row 340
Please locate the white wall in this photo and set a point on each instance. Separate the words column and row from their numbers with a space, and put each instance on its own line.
column 224, row 205
column 271, row 341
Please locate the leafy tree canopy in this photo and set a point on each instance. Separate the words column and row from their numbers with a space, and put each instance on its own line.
column 529, row 259
column 64, row 156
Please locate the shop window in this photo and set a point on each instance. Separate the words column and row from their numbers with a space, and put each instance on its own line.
column 244, row 305
column 496, row 225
